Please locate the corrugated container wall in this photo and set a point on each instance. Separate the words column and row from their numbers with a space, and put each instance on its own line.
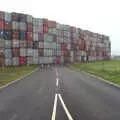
column 25, row 40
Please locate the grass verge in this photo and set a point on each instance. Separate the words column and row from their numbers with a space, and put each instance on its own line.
column 109, row 70
column 12, row 73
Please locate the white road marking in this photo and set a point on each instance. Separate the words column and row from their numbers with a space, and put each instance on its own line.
column 57, row 82
column 65, row 108
column 54, row 107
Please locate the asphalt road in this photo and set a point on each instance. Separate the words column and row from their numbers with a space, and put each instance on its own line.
column 84, row 97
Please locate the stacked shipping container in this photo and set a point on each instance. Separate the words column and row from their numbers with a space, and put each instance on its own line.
column 25, row 40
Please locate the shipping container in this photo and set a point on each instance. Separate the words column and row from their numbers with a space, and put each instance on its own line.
column 23, row 44
column 8, row 62
column 7, row 25
column 1, row 25
column 26, row 40
column 15, row 61
column 15, row 16
column 1, row 15
column 15, row 43
column 7, row 16
column 22, row 35
column 15, row 52
column 8, row 53
column 8, row 44
column 23, row 60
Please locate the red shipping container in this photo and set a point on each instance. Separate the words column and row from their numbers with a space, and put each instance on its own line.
column 7, row 25
column 1, row 15
column 45, row 22
column 1, row 24
column 23, row 60
column 52, row 24
column 15, row 35
column 29, row 27
column 45, row 29
column 40, row 37
column 29, row 36
column 64, row 47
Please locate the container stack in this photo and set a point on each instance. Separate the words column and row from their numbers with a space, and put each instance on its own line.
column 49, row 41
column 25, row 40
column 16, row 58
column 66, row 45
column 7, row 39
column 28, row 41
column 2, row 57
column 59, row 42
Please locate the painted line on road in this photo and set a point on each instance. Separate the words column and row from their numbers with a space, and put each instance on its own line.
column 65, row 108
column 57, row 82
column 54, row 107
column 10, row 83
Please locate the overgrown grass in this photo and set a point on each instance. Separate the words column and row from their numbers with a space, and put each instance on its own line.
column 109, row 70
column 9, row 74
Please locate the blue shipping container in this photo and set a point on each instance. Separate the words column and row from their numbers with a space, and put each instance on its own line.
column 7, row 35
column 22, row 35
column 1, row 34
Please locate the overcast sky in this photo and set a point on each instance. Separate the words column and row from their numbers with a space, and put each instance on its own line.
column 102, row 16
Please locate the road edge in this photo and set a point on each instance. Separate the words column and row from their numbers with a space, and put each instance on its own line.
column 97, row 77
column 14, row 81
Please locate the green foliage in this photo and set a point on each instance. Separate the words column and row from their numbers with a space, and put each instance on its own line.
column 109, row 70
column 9, row 74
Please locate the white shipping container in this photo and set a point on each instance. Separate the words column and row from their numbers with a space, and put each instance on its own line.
column 8, row 44
column 8, row 53
column 23, row 52
column 41, row 60
column 15, row 61
column 35, row 60
column 15, row 43
column 41, row 45
column 15, row 25
column 47, row 45
column 2, row 43
column 48, row 52
column 35, row 53
column 29, row 60
column 35, row 37
column 8, row 62
column 37, row 22
column 58, row 26
column 23, row 26
column 29, row 19
column 37, row 29
column 29, row 52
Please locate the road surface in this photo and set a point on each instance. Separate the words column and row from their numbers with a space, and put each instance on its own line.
column 60, row 94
